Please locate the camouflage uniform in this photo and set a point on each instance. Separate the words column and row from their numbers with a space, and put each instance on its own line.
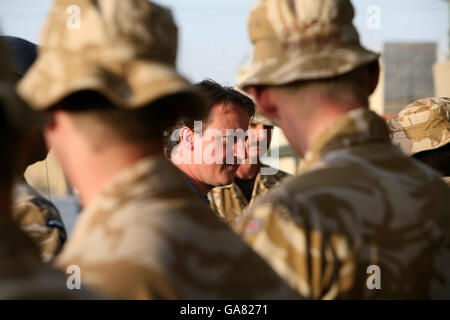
column 421, row 126
column 39, row 218
column 146, row 235
column 229, row 201
column 359, row 202
column 157, row 240
column 22, row 273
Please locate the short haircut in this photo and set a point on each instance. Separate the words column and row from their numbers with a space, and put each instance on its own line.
column 216, row 94
column 139, row 126
column 439, row 159
column 353, row 85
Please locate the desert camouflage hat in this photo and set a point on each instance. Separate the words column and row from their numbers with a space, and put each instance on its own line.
column 421, row 126
column 302, row 40
column 124, row 50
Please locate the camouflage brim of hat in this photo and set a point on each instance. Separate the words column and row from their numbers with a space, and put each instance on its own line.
column 421, row 126
column 124, row 50
column 298, row 40
column 20, row 116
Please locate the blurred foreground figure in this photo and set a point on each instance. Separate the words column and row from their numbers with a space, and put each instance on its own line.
column 250, row 182
column 22, row 274
column 422, row 131
column 111, row 88
column 363, row 220
column 34, row 214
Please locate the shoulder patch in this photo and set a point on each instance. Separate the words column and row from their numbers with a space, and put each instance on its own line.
column 253, row 226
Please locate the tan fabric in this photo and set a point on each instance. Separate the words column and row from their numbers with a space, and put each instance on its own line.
column 125, row 50
column 40, row 219
column 229, row 201
column 359, row 202
column 447, row 179
column 147, row 236
column 302, row 40
column 423, row 125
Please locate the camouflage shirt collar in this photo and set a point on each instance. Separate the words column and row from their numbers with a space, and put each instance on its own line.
column 357, row 127
column 151, row 175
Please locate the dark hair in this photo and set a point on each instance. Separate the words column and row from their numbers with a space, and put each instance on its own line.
column 439, row 159
column 215, row 93
column 10, row 136
column 139, row 125
column 356, row 82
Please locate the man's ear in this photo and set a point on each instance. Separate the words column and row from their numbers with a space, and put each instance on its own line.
column 374, row 75
column 53, row 123
column 187, row 137
column 264, row 98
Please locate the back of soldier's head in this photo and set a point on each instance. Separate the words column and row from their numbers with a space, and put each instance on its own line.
column 13, row 118
column 23, row 54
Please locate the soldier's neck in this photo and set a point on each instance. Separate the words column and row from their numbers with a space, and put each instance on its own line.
column 92, row 172
column 315, row 124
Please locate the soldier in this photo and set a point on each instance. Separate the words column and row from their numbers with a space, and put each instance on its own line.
column 111, row 88
column 216, row 136
column 34, row 214
column 422, row 131
column 231, row 200
column 362, row 220
column 22, row 274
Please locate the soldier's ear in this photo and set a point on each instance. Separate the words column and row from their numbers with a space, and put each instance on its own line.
column 187, row 137
column 265, row 99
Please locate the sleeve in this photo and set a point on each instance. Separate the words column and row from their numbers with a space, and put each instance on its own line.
column 43, row 224
column 318, row 264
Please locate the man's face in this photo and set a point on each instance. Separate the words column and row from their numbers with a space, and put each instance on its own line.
column 221, row 146
column 258, row 142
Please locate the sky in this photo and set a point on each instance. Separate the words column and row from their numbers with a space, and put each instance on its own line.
column 213, row 33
